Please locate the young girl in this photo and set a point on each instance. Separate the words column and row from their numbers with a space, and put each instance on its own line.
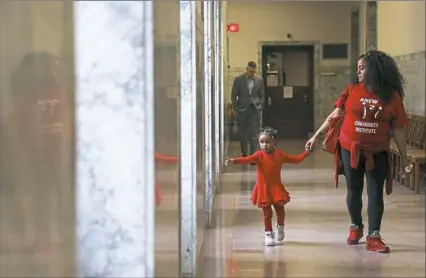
column 167, row 159
column 269, row 190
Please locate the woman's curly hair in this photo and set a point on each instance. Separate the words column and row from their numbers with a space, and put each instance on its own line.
column 382, row 75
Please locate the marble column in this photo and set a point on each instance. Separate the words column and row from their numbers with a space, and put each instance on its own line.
column 208, row 101
column 188, row 130
column 167, row 141
column 114, row 138
column 354, row 44
column 221, row 82
column 371, row 31
column 217, row 106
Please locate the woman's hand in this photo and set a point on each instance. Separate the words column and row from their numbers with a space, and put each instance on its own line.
column 227, row 160
column 401, row 142
column 406, row 168
column 310, row 145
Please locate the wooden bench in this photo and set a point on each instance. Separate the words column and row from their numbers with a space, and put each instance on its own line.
column 416, row 152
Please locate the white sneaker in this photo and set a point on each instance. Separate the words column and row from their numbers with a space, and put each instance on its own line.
column 280, row 233
column 269, row 239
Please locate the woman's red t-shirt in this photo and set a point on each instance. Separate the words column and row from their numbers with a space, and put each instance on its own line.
column 368, row 119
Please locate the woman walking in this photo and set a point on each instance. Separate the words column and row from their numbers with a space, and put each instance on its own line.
column 373, row 110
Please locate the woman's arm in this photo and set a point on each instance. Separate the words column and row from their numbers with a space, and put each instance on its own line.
column 247, row 159
column 401, row 142
column 336, row 112
column 163, row 158
column 398, row 123
column 286, row 158
column 339, row 105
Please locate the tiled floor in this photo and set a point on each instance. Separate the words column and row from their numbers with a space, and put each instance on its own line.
column 315, row 233
column 316, row 229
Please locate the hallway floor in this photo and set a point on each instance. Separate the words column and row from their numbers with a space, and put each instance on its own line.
column 316, row 228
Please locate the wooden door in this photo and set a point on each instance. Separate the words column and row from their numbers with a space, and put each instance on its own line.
column 289, row 107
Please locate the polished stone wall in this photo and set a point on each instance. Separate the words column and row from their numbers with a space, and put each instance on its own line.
column 200, row 122
column 371, row 28
column 37, row 201
column 412, row 67
column 330, row 87
column 114, row 107
column 192, row 174
column 167, row 139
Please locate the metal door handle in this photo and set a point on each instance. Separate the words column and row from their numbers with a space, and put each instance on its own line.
column 269, row 101
column 305, row 98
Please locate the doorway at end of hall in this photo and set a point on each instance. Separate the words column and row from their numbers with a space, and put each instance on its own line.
column 288, row 73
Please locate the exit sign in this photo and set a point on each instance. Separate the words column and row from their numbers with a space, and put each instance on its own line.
column 233, row 27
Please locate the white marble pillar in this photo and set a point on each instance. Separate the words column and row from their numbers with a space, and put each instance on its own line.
column 221, row 83
column 371, row 32
column 217, row 160
column 208, row 101
column 188, row 146
column 114, row 131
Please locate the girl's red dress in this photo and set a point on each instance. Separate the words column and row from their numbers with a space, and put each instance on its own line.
column 269, row 189
column 167, row 159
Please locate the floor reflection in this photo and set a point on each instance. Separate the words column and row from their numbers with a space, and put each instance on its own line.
column 316, row 229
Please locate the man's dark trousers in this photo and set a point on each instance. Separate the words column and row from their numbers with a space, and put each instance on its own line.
column 248, row 127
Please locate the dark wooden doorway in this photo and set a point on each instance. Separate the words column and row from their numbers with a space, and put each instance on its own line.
column 288, row 72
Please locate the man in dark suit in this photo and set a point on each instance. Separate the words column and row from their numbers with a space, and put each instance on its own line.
column 248, row 96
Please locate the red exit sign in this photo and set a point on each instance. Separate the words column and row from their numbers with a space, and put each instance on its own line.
column 233, row 27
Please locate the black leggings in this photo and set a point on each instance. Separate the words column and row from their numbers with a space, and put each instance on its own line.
column 375, row 185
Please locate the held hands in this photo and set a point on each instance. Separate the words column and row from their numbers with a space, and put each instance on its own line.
column 228, row 160
column 310, row 145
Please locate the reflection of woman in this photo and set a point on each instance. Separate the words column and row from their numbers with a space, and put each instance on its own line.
column 373, row 109
column 37, row 125
column 166, row 159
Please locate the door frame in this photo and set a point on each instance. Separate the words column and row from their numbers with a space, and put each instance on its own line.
column 317, row 112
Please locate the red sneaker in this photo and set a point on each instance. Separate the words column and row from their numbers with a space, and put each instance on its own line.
column 375, row 244
column 355, row 234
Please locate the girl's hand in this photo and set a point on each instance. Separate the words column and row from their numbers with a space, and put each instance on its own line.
column 227, row 160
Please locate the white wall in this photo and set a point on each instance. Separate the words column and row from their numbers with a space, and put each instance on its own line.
column 328, row 22
column 401, row 26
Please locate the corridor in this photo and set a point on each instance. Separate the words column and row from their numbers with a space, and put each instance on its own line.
column 316, row 228
column 116, row 118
